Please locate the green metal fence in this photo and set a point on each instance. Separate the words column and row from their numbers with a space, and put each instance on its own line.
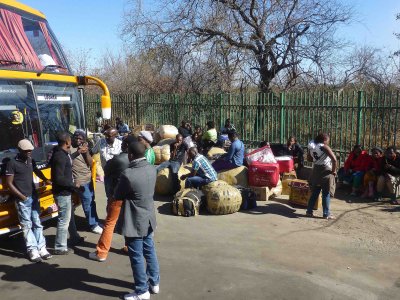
column 350, row 117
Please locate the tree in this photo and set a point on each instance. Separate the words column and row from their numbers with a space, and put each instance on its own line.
column 270, row 36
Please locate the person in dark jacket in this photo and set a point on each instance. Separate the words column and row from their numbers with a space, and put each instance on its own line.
column 113, row 169
column 185, row 129
column 390, row 175
column 63, row 186
column 137, row 221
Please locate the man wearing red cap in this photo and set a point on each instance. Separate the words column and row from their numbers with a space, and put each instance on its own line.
column 19, row 177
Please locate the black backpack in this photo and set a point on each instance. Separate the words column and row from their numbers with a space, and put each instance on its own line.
column 249, row 198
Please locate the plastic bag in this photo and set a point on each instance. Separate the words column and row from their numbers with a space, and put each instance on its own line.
column 263, row 155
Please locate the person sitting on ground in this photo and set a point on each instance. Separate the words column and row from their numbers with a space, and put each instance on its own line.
column 210, row 137
column 292, row 148
column 390, row 176
column 122, row 128
column 374, row 171
column 202, row 171
column 228, row 127
column 113, row 169
column 323, row 174
column 354, row 169
column 235, row 156
column 185, row 129
column 178, row 153
column 19, row 178
column 146, row 139
column 82, row 172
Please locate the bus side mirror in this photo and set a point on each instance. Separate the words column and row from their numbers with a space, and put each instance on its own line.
column 106, row 107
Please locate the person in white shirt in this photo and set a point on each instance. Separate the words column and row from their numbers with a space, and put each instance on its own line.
column 323, row 174
column 108, row 147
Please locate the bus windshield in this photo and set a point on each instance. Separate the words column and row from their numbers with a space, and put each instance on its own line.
column 27, row 43
column 56, row 108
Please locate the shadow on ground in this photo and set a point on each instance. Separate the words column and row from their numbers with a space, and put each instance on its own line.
column 53, row 278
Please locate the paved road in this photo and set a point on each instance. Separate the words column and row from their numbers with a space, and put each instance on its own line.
column 272, row 252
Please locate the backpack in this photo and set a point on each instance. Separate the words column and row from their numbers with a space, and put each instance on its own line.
column 187, row 203
column 249, row 198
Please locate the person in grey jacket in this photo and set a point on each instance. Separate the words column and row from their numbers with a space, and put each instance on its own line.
column 137, row 221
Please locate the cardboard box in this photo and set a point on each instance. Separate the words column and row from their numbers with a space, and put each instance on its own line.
column 262, row 193
column 300, row 193
column 290, row 175
column 286, row 186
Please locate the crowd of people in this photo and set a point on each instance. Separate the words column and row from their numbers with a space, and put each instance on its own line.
column 130, row 178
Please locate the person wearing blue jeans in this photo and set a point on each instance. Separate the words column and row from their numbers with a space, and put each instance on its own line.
column 148, row 272
column 137, row 221
column 202, row 171
column 63, row 186
column 323, row 174
column 326, row 199
column 65, row 224
column 19, row 178
column 82, row 174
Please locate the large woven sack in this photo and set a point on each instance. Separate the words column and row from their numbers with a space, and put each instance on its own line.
column 168, row 141
column 162, row 153
column 187, row 202
column 183, row 170
column 275, row 191
column 168, row 131
column 236, row 176
column 164, row 184
column 223, row 200
column 213, row 185
column 215, row 151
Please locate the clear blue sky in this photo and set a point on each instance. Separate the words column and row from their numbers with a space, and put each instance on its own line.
column 94, row 24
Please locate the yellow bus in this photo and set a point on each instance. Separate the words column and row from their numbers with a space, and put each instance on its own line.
column 39, row 97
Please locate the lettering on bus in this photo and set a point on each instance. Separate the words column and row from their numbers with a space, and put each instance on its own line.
column 53, row 97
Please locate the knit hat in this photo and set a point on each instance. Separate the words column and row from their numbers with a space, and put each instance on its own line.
column 146, row 135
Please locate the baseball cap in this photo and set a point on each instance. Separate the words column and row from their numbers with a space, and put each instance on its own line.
column 25, row 145
column 146, row 135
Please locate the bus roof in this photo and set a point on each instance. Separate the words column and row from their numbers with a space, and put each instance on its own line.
column 23, row 7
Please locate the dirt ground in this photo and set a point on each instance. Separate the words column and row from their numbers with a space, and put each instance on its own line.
column 271, row 252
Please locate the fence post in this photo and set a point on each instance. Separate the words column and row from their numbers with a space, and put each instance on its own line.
column 136, row 98
column 282, row 108
column 176, row 104
column 360, row 99
column 220, row 111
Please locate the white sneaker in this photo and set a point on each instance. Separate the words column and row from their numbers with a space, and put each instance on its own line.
column 155, row 289
column 134, row 296
column 97, row 230
column 44, row 254
column 34, row 255
column 93, row 256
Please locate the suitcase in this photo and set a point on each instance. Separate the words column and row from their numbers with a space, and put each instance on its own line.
column 263, row 174
column 249, row 197
column 300, row 193
column 286, row 163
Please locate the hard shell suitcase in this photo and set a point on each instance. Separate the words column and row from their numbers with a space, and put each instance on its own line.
column 286, row 163
column 264, row 174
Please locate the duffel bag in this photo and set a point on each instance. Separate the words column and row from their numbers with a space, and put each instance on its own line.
column 187, row 203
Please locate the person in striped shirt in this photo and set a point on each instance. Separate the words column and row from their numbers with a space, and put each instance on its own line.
column 202, row 171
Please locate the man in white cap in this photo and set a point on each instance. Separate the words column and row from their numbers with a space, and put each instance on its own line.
column 146, row 139
column 19, row 177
